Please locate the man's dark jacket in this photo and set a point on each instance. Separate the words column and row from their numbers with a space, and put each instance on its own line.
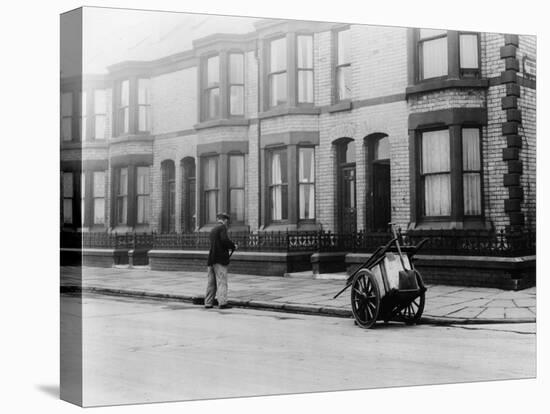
column 220, row 244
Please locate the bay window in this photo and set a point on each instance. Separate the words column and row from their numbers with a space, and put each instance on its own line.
column 236, row 188
column 142, row 194
column 83, row 115
column 343, row 65
column 144, row 105
column 68, row 195
column 436, row 173
column 100, row 113
column 433, row 55
column 278, row 185
column 66, row 116
column 450, row 176
column 212, row 87
column 471, row 171
column 305, row 68
column 236, row 84
column 306, row 183
column 210, row 188
column 469, row 54
column 277, row 72
column 121, row 196
column 124, row 107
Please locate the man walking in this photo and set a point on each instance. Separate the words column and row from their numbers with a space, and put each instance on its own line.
column 218, row 260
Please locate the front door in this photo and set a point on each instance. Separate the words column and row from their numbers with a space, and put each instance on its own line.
column 381, row 195
column 348, row 207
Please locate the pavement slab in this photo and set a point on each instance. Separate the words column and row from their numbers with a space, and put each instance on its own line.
column 443, row 303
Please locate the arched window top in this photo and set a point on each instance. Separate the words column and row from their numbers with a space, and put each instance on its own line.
column 345, row 150
column 382, row 149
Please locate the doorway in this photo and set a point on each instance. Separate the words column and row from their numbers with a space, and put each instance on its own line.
column 346, row 191
column 379, row 180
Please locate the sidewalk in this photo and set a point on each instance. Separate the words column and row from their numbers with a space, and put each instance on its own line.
column 444, row 304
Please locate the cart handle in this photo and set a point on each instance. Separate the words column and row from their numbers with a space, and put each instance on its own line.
column 375, row 256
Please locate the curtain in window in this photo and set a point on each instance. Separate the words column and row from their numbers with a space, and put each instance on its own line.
column 82, row 197
column 122, row 209
column 434, row 58
column 143, row 194
column 276, row 194
column 210, row 186
column 236, row 185
column 306, row 176
column 436, row 164
column 144, row 105
column 471, row 166
column 468, row 51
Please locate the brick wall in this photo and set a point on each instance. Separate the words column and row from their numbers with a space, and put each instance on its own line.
column 174, row 101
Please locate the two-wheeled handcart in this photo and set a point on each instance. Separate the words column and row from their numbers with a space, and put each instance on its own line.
column 387, row 286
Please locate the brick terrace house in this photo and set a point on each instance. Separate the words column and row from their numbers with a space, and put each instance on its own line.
column 306, row 128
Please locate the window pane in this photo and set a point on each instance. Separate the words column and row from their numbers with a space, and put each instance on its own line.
column 67, row 184
column 99, row 184
column 236, row 71
column 211, row 206
column 424, row 33
column 434, row 58
column 343, row 77
column 468, row 51
column 279, row 202
column 210, row 173
column 236, row 171
column 143, row 92
column 237, row 100
column 472, row 194
column 82, row 197
column 307, row 201
column 213, row 103
column 305, row 52
column 122, row 210
column 100, row 127
column 237, row 205
column 143, row 117
column 344, row 47
column 382, row 149
column 123, row 181
column 143, row 180
column 278, row 167
column 66, row 129
column 213, row 71
column 278, row 55
column 143, row 209
column 278, row 89
column 124, row 119
column 100, row 102
column 83, row 103
column 350, row 152
column 436, row 152
column 305, row 86
column 68, row 211
column 437, row 195
column 66, row 104
column 124, row 93
column 306, row 167
column 99, row 211
column 470, row 149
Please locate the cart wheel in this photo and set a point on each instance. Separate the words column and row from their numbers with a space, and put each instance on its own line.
column 411, row 313
column 365, row 298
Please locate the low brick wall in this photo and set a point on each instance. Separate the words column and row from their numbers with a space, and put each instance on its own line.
column 329, row 262
column 93, row 257
column 253, row 263
column 510, row 273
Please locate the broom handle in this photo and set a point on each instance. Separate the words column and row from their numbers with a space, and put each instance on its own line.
column 397, row 245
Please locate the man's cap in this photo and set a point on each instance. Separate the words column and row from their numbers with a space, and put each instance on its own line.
column 222, row 216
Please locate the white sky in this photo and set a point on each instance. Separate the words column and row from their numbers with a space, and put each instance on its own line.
column 114, row 35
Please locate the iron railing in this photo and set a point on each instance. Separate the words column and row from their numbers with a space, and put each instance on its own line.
column 440, row 242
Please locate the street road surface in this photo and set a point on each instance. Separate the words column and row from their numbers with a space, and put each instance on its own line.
column 138, row 351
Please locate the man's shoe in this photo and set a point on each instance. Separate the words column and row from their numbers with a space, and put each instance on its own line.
column 226, row 306
column 208, row 306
